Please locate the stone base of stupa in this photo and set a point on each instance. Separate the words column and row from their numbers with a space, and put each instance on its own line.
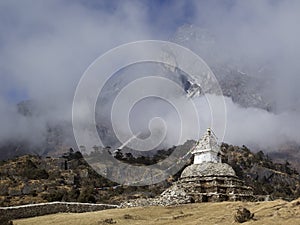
column 209, row 189
column 206, row 182
column 209, row 182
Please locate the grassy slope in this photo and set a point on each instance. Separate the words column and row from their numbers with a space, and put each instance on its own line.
column 275, row 212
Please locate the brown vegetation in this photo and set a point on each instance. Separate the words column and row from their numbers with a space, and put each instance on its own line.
column 274, row 212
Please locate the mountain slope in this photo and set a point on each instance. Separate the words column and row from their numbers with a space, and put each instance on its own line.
column 32, row 179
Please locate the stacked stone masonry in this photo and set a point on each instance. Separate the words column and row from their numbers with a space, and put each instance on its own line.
column 25, row 211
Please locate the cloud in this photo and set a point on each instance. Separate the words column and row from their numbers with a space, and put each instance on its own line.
column 45, row 47
column 262, row 36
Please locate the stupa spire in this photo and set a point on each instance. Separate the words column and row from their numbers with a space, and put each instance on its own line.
column 207, row 149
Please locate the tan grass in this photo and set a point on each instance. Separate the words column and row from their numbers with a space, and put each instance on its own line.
column 275, row 212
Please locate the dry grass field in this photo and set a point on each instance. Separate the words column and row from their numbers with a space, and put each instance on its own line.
column 273, row 212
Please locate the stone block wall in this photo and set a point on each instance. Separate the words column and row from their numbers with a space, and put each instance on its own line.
column 25, row 211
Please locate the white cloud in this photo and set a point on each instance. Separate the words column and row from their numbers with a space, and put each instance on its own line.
column 45, row 46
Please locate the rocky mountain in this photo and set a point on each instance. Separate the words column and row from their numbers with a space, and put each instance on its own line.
column 242, row 82
column 245, row 84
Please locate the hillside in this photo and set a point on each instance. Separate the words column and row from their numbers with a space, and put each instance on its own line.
column 33, row 179
column 258, row 170
column 274, row 212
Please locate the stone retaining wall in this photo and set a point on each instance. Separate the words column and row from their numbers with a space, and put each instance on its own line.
column 25, row 211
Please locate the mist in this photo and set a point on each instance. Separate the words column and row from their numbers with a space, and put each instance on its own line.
column 45, row 47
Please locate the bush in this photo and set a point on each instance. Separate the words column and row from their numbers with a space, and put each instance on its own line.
column 87, row 195
column 72, row 195
column 54, row 196
column 32, row 172
column 35, row 174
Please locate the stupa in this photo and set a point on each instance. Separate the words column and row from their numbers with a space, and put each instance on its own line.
column 208, row 179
